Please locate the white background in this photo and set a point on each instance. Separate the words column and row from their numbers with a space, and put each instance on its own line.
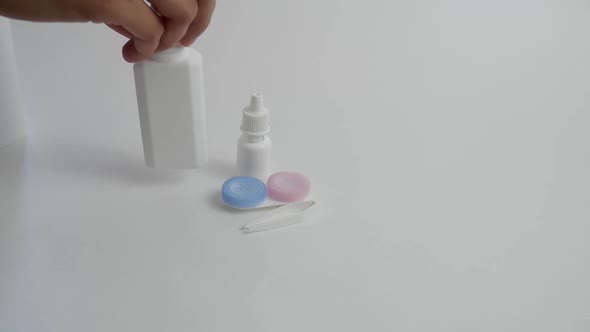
column 448, row 143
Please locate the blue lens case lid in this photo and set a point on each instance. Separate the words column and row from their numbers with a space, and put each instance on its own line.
column 243, row 192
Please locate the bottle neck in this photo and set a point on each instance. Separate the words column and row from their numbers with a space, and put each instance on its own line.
column 169, row 55
column 254, row 138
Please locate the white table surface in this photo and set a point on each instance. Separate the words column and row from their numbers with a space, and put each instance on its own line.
column 448, row 143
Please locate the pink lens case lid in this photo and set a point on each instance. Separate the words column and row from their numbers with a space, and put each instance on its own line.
column 288, row 187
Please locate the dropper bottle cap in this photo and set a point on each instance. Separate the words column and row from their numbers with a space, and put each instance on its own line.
column 255, row 117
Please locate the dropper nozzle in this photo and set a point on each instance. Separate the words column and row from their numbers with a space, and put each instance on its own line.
column 256, row 103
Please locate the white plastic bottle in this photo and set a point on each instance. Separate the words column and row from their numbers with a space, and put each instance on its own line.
column 254, row 146
column 11, row 107
column 171, row 101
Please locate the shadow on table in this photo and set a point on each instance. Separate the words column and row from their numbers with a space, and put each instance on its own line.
column 107, row 163
column 219, row 169
column 12, row 176
column 216, row 203
column 121, row 166
column 12, row 183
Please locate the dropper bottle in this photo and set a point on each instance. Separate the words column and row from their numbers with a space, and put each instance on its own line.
column 254, row 146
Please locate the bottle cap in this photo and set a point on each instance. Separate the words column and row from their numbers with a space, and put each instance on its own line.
column 173, row 54
column 255, row 117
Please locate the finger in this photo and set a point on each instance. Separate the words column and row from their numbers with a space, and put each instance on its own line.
column 200, row 23
column 145, row 26
column 177, row 16
column 120, row 30
column 131, row 54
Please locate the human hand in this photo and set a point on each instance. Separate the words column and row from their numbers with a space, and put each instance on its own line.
column 169, row 23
